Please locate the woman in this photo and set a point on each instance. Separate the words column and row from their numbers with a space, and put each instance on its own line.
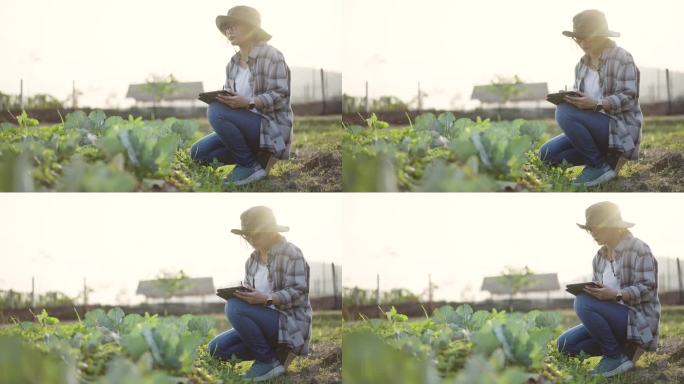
column 620, row 317
column 253, row 125
column 601, row 127
column 272, row 321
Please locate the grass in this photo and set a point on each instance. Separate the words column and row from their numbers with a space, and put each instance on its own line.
column 659, row 169
column 666, row 365
column 322, row 365
column 315, row 164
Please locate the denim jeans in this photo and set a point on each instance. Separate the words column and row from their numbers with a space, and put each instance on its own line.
column 584, row 140
column 603, row 331
column 235, row 139
column 254, row 335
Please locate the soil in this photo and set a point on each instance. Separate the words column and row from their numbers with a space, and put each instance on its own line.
column 658, row 170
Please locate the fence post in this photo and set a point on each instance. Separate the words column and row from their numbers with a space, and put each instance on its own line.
column 334, row 283
column 323, row 89
column 377, row 295
column 33, row 292
column 366, row 106
column 669, row 93
column 21, row 94
column 679, row 281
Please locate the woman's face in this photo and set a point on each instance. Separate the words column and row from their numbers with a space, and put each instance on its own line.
column 591, row 45
column 239, row 33
column 603, row 236
column 260, row 240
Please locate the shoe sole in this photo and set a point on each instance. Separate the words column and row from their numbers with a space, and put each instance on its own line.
column 622, row 368
column 275, row 372
column 254, row 177
column 610, row 175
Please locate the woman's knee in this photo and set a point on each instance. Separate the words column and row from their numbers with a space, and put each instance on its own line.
column 582, row 302
column 217, row 112
column 214, row 112
column 234, row 307
column 564, row 112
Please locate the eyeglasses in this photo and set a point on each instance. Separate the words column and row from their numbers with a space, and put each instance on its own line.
column 235, row 25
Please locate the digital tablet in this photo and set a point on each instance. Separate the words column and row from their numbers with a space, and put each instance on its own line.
column 576, row 289
column 229, row 292
column 210, row 97
column 557, row 98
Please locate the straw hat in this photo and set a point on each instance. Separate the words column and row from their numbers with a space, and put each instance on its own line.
column 590, row 23
column 258, row 220
column 246, row 15
column 604, row 215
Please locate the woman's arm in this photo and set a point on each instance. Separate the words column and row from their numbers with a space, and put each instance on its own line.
column 277, row 83
column 295, row 281
column 645, row 278
column 626, row 89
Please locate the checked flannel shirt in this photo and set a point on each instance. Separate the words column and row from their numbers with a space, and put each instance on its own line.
column 619, row 78
column 271, row 84
column 637, row 273
column 288, row 273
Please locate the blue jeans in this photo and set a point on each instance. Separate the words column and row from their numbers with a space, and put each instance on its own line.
column 235, row 139
column 254, row 335
column 603, row 331
column 584, row 140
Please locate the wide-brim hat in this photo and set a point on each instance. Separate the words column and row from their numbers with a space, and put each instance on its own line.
column 590, row 23
column 604, row 215
column 258, row 219
column 246, row 15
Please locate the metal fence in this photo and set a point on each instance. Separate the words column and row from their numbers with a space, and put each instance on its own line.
column 325, row 279
column 311, row 85
column 661, row 85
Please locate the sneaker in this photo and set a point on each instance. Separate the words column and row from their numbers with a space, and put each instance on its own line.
column 264, row 371
column 611, row 366
column 245, row 175
column 594, row 176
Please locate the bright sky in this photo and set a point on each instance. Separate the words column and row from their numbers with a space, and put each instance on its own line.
column 114, row 240
column 450, row 46
column 106, row 45
column 461, row 238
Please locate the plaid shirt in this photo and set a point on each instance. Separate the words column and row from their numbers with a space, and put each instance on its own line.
column 637, row 273
column 288, row 273
column 619, row 79
column 270, row 81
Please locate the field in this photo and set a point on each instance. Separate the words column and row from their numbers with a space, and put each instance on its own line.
column 116, row 348
column 462, row 346
column 442, row 153
column 96, row 153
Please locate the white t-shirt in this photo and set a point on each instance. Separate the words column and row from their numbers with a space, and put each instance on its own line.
column 261, row 282
column 609, row 280
column 242, row 86
column 592, row 86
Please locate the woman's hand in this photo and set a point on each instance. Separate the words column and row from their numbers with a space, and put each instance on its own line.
column 252, row 296
column 234, row 101
column 581, row 102
column 601, row 293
